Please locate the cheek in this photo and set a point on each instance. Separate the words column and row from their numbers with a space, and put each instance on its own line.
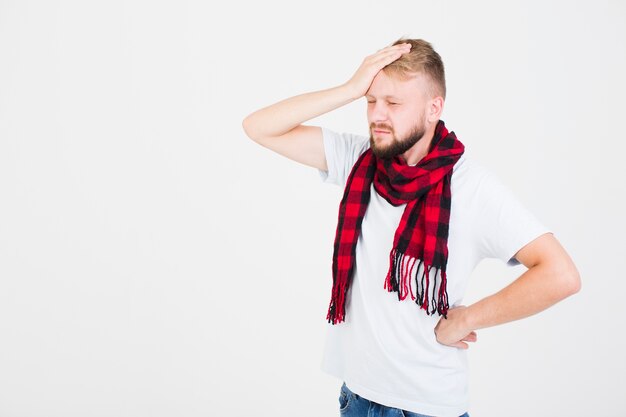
column 410, row 118
column 403, row 121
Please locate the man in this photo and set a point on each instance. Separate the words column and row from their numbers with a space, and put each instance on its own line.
column 417, row 216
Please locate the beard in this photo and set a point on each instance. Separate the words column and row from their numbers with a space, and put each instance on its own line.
column 397, row 146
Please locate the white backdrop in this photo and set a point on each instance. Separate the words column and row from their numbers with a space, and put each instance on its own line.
column 156, row 262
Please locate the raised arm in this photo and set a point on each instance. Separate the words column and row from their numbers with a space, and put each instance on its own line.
column 279, row 126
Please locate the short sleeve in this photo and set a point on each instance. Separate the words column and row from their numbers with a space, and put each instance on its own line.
column 342, row 151
column 505, row 225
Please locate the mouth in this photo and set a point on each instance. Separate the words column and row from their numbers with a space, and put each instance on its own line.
column 381, row 132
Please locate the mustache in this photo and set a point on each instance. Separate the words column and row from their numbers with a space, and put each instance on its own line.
column 381, row 127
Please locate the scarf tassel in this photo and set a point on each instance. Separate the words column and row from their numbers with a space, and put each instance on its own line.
column 336, row 310
column 399, row 280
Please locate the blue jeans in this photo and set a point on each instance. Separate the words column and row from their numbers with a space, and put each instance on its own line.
column 353, row 405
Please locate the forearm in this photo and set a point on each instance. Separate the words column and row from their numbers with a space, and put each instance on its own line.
column 281, row 117
column 535, row 290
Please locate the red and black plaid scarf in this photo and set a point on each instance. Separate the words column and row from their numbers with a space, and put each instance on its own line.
column 422, row 234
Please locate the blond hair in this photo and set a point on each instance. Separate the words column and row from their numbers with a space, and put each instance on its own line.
column 421, row 59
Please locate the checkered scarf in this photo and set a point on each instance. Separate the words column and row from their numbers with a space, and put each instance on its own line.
column 421, row 236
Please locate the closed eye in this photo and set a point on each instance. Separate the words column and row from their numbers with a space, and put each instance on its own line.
column 389, row 102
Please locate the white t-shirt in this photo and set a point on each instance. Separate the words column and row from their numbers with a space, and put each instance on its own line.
column 386, row 350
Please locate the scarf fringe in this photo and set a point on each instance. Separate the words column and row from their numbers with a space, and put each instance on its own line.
column 336, row 310
column 399, row 279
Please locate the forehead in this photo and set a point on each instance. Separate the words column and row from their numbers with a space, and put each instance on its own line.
column 387, row 87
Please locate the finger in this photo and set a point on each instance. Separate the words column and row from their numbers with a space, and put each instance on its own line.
column 460, row 345
column 397, row 46
column 395, row 50
column 392, row 50
column 472, row 337
column 386, row 58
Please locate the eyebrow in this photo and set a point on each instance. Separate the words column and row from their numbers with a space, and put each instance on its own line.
column 386, row 97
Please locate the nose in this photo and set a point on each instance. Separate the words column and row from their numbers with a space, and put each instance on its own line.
column 378, row 112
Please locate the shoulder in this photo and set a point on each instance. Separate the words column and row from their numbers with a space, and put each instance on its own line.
column 475, row 185
column 356, row 142
column 342, row 150
column 469, row 173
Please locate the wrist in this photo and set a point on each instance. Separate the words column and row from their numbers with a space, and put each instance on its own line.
column 350, row 92
column 468, row 319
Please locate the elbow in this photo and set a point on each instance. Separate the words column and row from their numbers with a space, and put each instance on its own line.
column 570, row 281
column 575, row 282
column 245, row 124
column 562, row 280
column 249, row 128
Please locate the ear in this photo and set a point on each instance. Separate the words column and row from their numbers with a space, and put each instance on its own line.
column 435, row 108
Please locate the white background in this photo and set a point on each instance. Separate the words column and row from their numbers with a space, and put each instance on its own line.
column 154, row 261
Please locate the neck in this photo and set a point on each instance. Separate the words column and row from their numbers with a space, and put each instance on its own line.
column 421, row 147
